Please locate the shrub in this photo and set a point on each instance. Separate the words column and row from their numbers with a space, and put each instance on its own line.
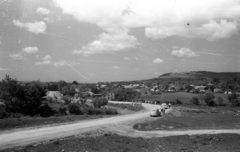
column 66, row 100
column 99, row 102
column 62, row 110
column 111, row 111
column 45, row 110
column 74, row 109
column 195, row 100
column 209, row 99
column 220, row 101
column 3, row 114
column 178, row 101
column 233, row 99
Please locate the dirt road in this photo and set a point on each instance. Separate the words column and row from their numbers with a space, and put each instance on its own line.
column 118, row 124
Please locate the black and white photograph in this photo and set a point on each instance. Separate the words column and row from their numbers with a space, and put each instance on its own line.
column 119, row 75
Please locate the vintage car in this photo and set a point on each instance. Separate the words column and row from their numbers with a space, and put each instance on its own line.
column 155, row 113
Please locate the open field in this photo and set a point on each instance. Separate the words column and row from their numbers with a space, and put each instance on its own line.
column 108, row 142
column 195, row 117
column 183, row 96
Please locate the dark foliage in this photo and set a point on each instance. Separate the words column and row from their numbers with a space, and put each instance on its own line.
column 99, row 102
column 178, row 101
column 209, row 99
column 74, row 109
column 195, row 101
column 45, row 110
column 220, row 101
column 126, row 94
column 21, row 98
column 233, row 99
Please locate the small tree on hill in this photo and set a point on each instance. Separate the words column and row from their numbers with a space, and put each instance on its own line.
column 209, row 99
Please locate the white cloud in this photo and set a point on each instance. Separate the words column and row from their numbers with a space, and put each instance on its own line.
column 184, row 52
column 65, row 63
column 158, row 60
column 4, row 69
column 45, row 61
column 30, row 50
column 16, row 56
column 211, row 30
column 204, row 19
column 127, row 58
column 43, row 11
column 47, row 58
column 116, row 67
column 36, row 27
column 114, row 40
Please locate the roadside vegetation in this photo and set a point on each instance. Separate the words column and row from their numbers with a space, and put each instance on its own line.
column 26, row 104
column 194, row 117
column 100, row 141
column 127, row 106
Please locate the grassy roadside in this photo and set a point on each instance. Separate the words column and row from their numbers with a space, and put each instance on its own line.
column 184, row 118
column 108, row 142
column 126, row 106
column 183, row 96
column 14, row 123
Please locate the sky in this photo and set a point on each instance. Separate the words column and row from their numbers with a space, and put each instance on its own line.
column 121, row 40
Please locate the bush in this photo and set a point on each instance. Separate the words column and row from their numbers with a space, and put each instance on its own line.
column 3, row 114
column 178, row 101
column 209, row 99
column 45, row 110
column 62, row 110
column 74, row 109
column 99, row 102
column 195, row 100
column 220, row 101
column 111, row 111
column 66, row 100
column 233, row 99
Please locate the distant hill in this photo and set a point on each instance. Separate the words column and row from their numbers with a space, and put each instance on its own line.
column 192, row 77
column 202, row 74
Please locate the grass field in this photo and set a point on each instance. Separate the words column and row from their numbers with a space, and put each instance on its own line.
column 183, row 96
column 198, row 117
column 107, row 142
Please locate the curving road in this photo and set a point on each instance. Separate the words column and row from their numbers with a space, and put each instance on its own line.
column 121, row 125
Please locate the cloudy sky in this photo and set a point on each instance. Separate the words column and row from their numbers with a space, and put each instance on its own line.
column 93, row 40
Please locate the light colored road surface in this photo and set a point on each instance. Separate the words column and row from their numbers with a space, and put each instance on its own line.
column 121, row 125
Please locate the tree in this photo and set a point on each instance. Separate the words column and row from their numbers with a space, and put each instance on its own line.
column 75, row 82
column 195, row 100
column 220, row 101
column 99, row 102
column 20, row 98
column 233, row 99
column 209, row 99
column 126, row 94
column 74, row 109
